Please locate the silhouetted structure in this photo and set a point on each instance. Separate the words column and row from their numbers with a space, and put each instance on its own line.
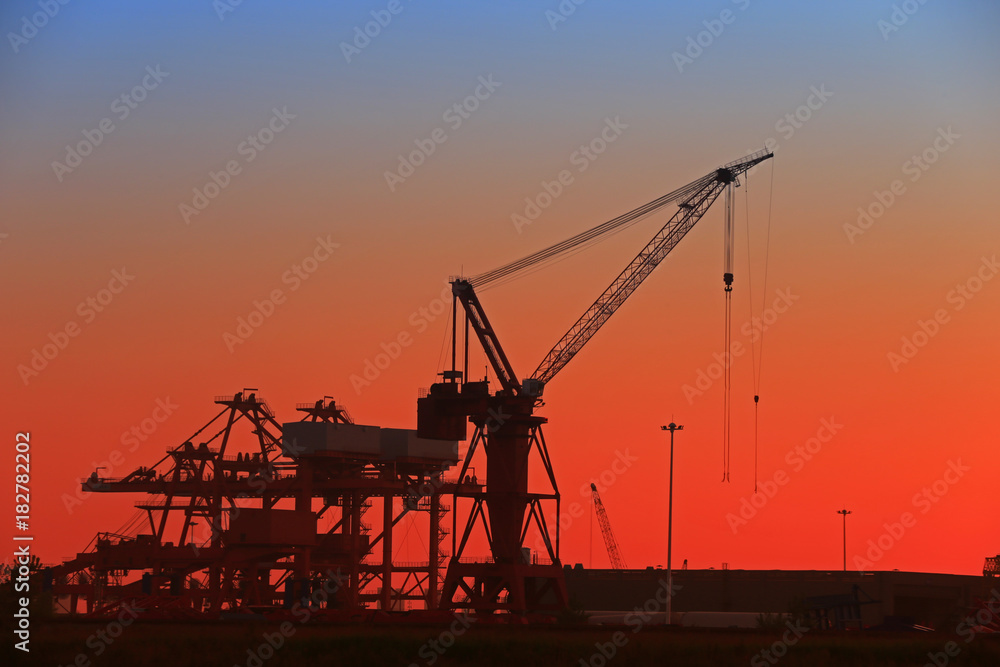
column 222, row 532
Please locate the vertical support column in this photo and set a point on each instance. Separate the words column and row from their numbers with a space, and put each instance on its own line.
column 386, row 597
column 303, row 503
column 215, row 586
column 558, row 523
column 347, row 530
column 433, row 556
column 355, row 538
column 507, row 480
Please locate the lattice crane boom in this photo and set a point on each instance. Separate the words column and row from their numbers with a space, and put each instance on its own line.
column 705, row 191
column 614, row 551
column 509, row 432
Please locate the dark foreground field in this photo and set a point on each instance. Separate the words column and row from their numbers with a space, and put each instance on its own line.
column 173, row 645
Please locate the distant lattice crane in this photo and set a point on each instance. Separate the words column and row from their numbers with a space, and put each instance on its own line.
column 614, row 551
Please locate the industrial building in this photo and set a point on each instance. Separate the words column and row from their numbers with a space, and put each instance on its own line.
column 832, row 599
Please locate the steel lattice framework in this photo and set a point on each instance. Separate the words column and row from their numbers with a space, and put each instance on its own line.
column 507, row 428
column 248, row 507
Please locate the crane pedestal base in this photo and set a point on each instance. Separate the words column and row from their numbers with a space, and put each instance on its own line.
column 504, row 587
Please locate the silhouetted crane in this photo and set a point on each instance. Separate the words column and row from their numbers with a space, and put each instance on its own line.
column 506, row 426
column 614, row 551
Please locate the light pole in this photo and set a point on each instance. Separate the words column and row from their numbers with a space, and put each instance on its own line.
column 670, row 517
column 845, row 513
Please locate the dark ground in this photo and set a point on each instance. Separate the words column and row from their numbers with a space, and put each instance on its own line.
column 227, row 644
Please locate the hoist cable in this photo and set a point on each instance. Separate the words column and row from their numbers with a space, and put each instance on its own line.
column 753, row 343
column 767, row 257
column 727, row 389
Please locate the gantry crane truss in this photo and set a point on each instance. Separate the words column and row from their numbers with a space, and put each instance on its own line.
column 506, row 427
column 240, row 547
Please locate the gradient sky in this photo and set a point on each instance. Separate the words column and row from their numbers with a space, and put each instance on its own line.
column 891, row 95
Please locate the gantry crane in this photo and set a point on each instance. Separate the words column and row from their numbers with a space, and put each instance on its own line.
column 506, row 426
column 249, row 539
column 614, row 551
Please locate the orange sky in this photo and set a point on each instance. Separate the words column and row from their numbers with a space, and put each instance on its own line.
column 825, row 360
